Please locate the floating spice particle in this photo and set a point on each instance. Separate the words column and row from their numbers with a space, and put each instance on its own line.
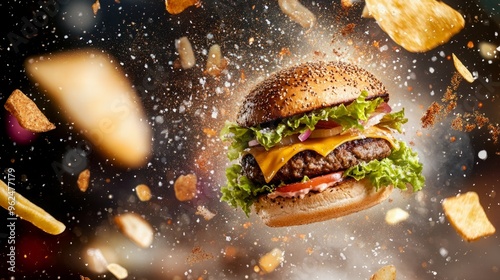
column 197, row 255
column 430, row 116
column 83, row 180
column 284, row 52
column 348, row 29
column 470, row 44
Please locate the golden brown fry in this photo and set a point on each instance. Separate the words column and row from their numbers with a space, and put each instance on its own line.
column 467, row 216
column 298, row 13
column 215, row 62
column 462, row 70
column 118, row 271
column 26, row 210
column 185, row 187
column 27, row 113
column 186, row 54
column 175, row 7
column 143, row 192
column 135, row 228
column 417, row 26
column 271, row 260
column 387, row 272
column 83, row 180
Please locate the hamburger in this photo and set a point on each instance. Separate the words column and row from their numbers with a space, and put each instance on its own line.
column 314, row 142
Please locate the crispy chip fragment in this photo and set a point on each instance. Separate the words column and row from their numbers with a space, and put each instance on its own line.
column 185, row 187
column 467, row 216
column 387, row 272
column 18, row 205
column 175, row 7
column 27, row 113
column 417, row 26
column 462, row 69
column 83, row 180
column 135, row 228
column 96, row 7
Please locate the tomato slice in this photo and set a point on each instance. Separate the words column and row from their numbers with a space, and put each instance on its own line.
column 325, row 124
column 324, row 179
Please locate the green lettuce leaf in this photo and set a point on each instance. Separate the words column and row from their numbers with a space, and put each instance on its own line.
column 348, row 117
column 400, row 169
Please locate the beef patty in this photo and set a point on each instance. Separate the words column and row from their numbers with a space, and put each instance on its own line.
column 310, row 163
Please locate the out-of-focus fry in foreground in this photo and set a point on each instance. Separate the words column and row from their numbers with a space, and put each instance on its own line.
column 95, row 94
column 387, row 272
column 298, row 13
column 215, row 62
column 27, row 113
column 462, row 70
column 395, row 216
column 186, row 54
column 136, row 228
column 175, row 7
column 118, row 271
column 83, row 180
column 271, row 260
column 467, row 216
column 417, row 26
column 18, row 205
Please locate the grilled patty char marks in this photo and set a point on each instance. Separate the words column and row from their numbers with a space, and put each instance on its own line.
column 311, row 164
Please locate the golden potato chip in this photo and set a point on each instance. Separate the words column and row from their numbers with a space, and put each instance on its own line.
column 27, row 113
column 175, row 7
column 387, row 272
column 185, row 187
column 83, row 180
column 467, row 216
column 462, row 69
column 417, row 26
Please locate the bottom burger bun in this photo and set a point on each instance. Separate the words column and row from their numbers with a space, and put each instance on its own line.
column 348, row 197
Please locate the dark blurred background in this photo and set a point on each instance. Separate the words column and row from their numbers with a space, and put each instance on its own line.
column 182, row 105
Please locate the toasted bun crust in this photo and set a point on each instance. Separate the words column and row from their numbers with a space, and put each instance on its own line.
column 348, row 197
column 307, row 87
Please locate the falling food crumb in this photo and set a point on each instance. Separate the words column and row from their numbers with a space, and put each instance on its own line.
column 197, row 255
column 83, row 180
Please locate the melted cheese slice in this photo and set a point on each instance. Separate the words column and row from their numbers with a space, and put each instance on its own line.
column 272, row 160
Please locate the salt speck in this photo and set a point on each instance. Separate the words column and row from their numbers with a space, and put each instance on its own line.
column 482, row 154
